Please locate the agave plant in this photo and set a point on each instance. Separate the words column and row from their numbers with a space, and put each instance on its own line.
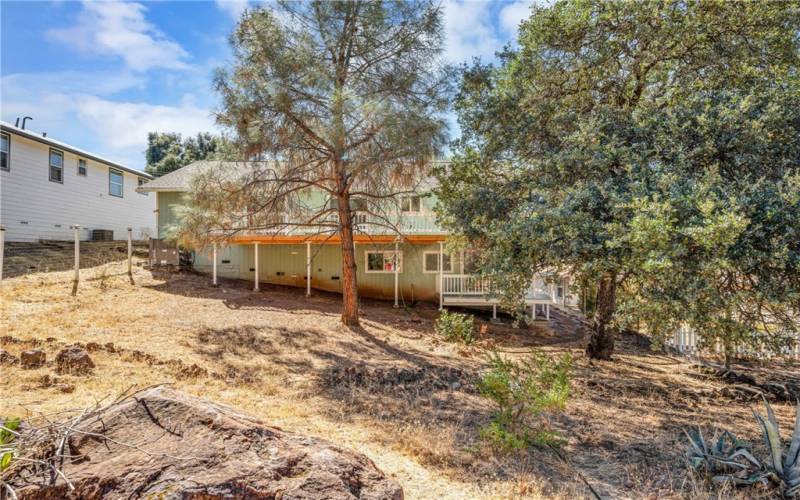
column 782, row 469
column 726, row 457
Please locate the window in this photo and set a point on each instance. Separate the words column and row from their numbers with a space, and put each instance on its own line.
column 56, row 166
column 410, row 204
column 5, row 151
column 358, row 205
column 115, row 183
column 82, row 167
column 430, row 263
column 141, row 181
column 383, row 262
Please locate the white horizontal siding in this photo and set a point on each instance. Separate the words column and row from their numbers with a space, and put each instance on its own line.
column 33, row 208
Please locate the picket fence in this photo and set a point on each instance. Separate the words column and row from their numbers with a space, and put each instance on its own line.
column 686, row 342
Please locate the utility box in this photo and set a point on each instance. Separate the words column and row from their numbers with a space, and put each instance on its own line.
column 102, row 235
column 163, row 253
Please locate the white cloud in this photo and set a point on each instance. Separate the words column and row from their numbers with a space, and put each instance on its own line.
column 124, row 125
column 513, row 14
column 80, row 109
column 120, row 29
column 469, row 31
column 233, row 8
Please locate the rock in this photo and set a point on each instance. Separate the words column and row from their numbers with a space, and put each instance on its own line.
column 65, row 388
column 33, row 358
column 194, row 448
column 93, row 347
column 6, row 358
column 74, row 360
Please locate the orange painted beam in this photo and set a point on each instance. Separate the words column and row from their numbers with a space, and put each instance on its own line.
column 283, row 239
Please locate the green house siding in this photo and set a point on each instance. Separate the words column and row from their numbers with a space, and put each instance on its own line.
column 166, row 203
column 286, row 265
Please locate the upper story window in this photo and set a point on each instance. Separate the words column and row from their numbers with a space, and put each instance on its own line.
column 358, row 204
column 115, row 180
column 5, row 151
column 82, row 167
column 410, row 204
column 140, row 183
column 56, row 166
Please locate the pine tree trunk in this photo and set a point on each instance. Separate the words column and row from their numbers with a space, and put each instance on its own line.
column 349, row 283
column 601, row 342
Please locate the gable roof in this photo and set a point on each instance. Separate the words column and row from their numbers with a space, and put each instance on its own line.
column 34, row 136
column 181, row 179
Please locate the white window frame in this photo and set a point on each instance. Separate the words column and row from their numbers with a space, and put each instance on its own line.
column 51, row 166
column 7, row 137
column 384, row 253
column 410, row 208
column 436, row 271
column 85, row 167
column 121, row 184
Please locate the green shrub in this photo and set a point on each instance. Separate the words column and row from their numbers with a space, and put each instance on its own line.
column 456, row 327
column 524, row 393
column 7, row 435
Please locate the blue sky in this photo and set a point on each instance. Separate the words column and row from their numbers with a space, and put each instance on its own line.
column 100, row 75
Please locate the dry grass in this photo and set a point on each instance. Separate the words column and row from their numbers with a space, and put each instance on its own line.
column 270, row 354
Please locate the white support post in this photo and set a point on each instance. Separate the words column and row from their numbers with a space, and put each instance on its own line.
column 130, row 252
column 2, row 249
column 547, row 311
column 494, row 311
column 214, row 264
column 396, row 275
column 441, row 276
column 533, row 312
column 461, row 265
column 77, row 277
column 308, row 269
column 256, row 277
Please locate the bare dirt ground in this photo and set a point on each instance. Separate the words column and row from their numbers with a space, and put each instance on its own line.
column 281, row 357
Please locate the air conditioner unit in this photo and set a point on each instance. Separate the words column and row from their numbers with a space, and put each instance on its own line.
column 102, row 235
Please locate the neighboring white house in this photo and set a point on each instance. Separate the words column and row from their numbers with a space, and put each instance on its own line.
column 46, row 186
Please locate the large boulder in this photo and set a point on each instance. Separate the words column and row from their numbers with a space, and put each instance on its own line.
column 74, row 360
column 162, row 443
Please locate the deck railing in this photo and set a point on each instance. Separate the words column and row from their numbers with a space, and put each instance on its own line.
column 465, row 284
column 364, row 223
column 471, row 285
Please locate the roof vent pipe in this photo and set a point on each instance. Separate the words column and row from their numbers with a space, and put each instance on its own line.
column 24, row 120
column 16, row 123
column 44, row 134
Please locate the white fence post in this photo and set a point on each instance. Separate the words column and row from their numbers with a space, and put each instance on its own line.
column 77, row 277
column 2, row 249
column 130, row 252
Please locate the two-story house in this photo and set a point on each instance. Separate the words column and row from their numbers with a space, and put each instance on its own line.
column 404, row 263
column 47, row 186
